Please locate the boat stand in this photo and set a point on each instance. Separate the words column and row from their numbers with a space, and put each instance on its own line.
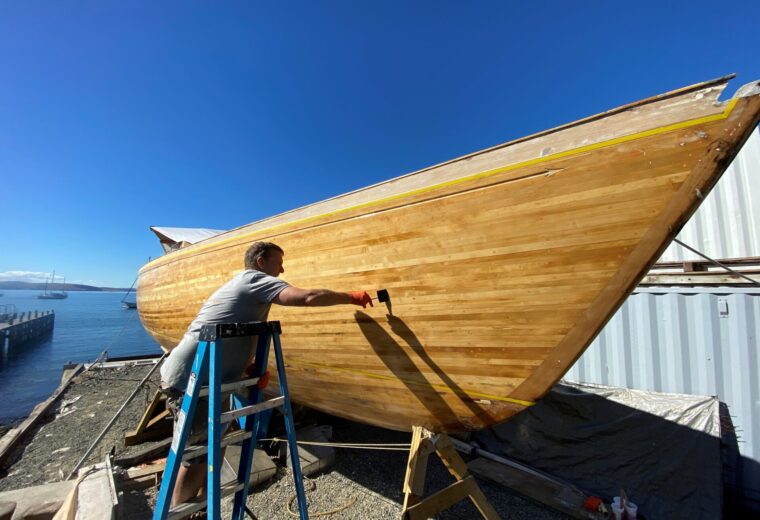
column 424, row 443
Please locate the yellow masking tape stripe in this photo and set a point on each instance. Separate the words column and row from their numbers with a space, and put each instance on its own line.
column 442, row 388
column 488, row 173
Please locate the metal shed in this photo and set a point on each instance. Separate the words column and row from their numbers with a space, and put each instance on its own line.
column 698, row 340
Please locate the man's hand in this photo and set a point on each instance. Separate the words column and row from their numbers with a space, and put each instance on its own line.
column 360, row 298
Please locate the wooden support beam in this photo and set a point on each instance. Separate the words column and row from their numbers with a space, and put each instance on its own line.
column 415, row 506
column 154, row 423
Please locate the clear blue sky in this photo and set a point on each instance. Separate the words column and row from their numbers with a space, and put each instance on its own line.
column 115, row 116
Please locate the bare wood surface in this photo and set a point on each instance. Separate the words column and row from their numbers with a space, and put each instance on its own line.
column 562, row 497
column 416, row 467
column 501, row 266
column 441, row 500
column 700, row 278
column 415, row 506
column 159, row 449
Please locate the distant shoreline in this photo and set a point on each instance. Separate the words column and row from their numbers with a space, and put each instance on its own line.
column 69, row 287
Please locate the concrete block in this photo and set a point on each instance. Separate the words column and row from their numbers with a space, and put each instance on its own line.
column 97, row 495
column 44, row 495
column 41, row 511
column 263, row 468
column 313, row 458
column 6, row 510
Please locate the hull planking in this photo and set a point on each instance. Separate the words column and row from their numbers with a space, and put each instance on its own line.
column 502, row 266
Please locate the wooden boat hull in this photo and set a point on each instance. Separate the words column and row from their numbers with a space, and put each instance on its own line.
column 502, row 266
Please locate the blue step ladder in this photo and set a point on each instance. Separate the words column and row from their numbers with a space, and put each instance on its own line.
column 252, row 415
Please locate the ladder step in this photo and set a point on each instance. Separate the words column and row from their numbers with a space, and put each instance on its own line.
column 231, row 387
column 252, row 409
column 196, row 504
column 193, row 452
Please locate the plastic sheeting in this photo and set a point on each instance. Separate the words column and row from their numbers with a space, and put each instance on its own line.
column 189, row 235
column 173, row 238
column 664, row 450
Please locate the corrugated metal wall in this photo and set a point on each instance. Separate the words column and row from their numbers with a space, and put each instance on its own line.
column 727, row 224
column 700, row 341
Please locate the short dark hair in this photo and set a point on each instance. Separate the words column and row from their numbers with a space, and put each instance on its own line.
column 259, row 250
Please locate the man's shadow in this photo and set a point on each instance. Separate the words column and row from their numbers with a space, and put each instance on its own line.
column 401, row 364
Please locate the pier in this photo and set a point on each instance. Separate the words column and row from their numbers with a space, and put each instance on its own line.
column 17, row 328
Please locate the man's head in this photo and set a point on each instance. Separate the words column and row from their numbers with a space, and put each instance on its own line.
column 265, row 257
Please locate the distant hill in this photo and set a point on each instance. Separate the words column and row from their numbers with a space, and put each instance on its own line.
column 32, row 286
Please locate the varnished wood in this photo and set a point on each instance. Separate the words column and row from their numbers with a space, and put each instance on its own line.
column 501, row 266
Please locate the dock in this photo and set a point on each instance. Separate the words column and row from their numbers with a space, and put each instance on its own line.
column 17, row 328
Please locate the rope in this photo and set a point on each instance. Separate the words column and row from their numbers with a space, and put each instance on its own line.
column 329, row 512
column 737, row 273
column 357, row 446
column 116, row 416
column 130, row 289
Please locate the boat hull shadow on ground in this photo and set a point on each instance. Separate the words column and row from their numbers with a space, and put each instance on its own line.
column 502, row 266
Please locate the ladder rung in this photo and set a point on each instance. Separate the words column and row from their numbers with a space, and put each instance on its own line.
column 194, row 452
column 252, row 409
column 231, row 387
column 196, row 504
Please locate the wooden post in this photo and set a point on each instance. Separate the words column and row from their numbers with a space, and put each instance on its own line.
column 415, row 506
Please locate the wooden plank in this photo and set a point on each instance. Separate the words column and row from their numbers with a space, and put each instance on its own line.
column 731, row 262
column 159, row 449
column 699, row 278
column 152, row 425
column 416, row 467
column 441, row 500
column 14, row 436
column 483, row 505
column 564, row 498
column 148, row 413
column 451, row 458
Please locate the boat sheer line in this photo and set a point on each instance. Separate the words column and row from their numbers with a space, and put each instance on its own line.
column 213, row 246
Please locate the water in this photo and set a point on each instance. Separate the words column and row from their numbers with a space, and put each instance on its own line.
column 86, row 324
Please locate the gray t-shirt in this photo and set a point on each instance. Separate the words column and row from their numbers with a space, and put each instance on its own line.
column 246, row 297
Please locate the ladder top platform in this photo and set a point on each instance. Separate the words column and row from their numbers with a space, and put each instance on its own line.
column 237, row 330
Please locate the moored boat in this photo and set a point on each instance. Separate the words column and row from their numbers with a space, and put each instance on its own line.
column 502, row 265
column 53, row 295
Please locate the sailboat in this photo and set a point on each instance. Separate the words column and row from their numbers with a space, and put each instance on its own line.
column 129, row 304
column 501, row 266
column 53, row 295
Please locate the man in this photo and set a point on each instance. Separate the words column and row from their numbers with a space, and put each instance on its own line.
column 246, row 297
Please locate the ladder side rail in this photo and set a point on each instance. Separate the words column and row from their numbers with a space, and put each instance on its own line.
column 173, row 461
column 290, row 428
column 214, row 462
column 250, row 424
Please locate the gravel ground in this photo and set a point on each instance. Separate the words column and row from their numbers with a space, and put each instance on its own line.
column 54, row 446
column 363, row 484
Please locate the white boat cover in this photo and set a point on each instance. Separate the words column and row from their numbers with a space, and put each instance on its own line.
column 173, row 238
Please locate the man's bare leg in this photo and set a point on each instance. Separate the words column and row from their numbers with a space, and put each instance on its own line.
column 191, row 481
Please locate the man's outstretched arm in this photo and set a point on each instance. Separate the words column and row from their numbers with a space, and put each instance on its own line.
column 293, row 296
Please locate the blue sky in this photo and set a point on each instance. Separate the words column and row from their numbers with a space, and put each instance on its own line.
column 115, row 116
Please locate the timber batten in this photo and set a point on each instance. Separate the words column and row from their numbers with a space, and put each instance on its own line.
column 502, row 266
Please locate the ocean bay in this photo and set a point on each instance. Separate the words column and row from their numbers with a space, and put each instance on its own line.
column 86, row 324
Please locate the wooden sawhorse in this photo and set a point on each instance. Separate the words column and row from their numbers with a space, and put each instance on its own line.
column 425, row 442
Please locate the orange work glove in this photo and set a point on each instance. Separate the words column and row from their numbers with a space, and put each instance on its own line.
column 360, row 298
